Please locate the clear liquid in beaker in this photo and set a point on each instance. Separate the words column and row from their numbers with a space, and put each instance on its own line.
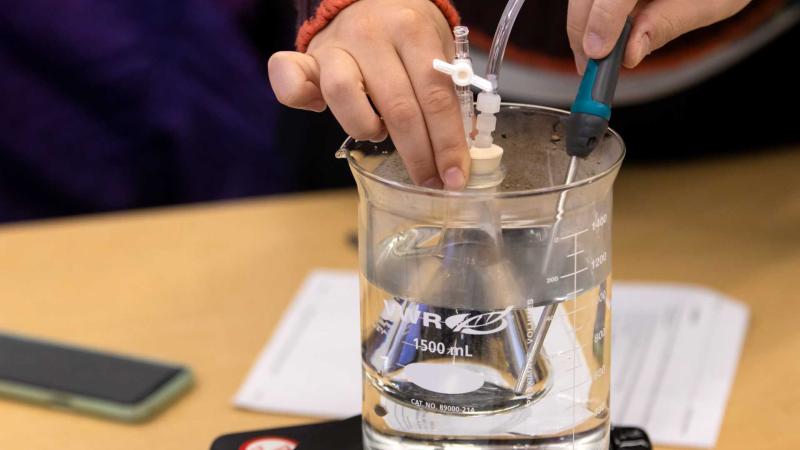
column 434, row 372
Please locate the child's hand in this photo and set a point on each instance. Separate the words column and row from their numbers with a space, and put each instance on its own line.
column 382, row 50
column 594, row 26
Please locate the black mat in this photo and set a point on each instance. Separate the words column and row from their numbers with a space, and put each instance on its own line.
column 346, row 435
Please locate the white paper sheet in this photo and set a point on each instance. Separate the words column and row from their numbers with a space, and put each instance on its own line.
column 675, row 351
column 312, row 364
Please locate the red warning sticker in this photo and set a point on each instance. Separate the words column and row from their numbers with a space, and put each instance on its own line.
column 269, row 443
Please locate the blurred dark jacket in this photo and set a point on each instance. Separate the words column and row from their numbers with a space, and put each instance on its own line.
column 131, row 103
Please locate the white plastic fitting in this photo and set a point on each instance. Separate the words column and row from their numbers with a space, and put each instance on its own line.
column 488, row 102
column 486, row 156
column 462, row 74
column 488, row 105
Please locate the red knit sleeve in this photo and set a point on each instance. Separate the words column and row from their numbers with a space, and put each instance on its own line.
column 328, row 9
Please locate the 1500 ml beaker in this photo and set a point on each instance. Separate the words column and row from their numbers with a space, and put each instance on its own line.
column 453, row 289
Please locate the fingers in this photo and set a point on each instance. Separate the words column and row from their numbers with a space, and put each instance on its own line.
column 295, row 80
column 604, row 26
column 342, row 88
column 661, row 21
column 439, row 104
column 577, row 16
column 393, row 95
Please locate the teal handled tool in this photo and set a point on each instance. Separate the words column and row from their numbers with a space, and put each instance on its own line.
column 591, row 111
column 585, row 127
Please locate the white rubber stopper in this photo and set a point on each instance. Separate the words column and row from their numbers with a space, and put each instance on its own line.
column 485, row 160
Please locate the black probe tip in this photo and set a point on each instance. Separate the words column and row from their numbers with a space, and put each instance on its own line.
column 583, row 133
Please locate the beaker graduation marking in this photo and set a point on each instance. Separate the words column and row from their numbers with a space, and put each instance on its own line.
column 549, row 311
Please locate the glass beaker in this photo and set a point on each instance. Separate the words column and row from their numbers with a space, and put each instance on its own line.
column 454, row 286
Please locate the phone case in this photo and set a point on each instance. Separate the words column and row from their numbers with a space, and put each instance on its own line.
column 98, row 407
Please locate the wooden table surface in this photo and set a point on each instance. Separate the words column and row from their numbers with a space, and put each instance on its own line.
column 206, row 285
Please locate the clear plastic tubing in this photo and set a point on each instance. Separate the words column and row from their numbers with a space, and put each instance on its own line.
column 500, row 40
column 465, row 97
column 462, row 42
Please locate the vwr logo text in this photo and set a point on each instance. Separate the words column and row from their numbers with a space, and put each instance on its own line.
column 469, row 323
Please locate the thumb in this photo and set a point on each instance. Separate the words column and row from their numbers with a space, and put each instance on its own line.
column 295, row 80
column 660, row 21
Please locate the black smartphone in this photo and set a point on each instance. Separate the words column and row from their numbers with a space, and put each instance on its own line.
column 86, row 380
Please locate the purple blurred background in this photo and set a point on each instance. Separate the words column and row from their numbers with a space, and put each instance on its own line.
column 110, row 105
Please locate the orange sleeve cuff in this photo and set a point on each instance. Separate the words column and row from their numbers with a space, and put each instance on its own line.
column 328, row 9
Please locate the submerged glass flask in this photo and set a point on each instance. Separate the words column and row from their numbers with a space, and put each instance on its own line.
column 453, row 288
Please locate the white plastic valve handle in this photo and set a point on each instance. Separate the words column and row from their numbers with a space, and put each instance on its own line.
column 462, row 74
